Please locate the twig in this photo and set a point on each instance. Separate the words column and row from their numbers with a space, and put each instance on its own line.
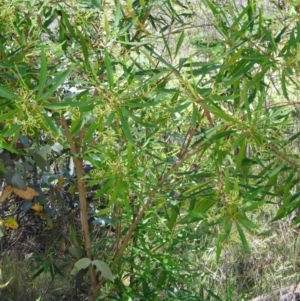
column 147, row 203
column 83, row 206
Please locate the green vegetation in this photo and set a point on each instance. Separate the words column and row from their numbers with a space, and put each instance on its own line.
column 145, row 156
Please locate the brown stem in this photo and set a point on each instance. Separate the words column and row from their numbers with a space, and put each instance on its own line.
column 83, row 206
column 148, row 202
column 144, row 19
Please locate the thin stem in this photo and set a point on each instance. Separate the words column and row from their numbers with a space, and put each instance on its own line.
column 83, row 206
column 142, row 209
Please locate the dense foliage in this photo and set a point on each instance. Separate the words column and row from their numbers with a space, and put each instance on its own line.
column 122, row 115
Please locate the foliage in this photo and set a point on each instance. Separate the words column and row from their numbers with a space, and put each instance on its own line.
column 101, row 108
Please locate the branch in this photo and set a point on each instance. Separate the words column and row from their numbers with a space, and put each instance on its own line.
column 144, row 19
column 142, row 209
column 83, row 205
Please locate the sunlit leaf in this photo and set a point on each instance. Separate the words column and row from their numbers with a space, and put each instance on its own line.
column 43, row 74
column 57, row 81
column 81, row 264
column 103, row 267
column 179, row 43
column 37, row 207
column 109, row 70
column 125, row 126
column 243, row 238
column 5, row 93
column 10, row 223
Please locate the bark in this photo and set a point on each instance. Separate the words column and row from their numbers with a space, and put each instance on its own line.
column 75, row 151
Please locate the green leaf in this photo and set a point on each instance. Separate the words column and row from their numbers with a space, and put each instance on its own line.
column 97, row 4
column 283, row 85
column 39, row 161
column 8, row 94
column 90, row 131
column 84, row 47
column 276, row 170
column 15, row 179
column 211, row 294
column 138, row 120
column 254, row 206
column 107, row 187
column 125, row 126
column 9, row 114
column 14, row 129
column 241, row 154
column 43, row 74
column 65, row 104
column 162, row 60
column 76, row 252
column 174, row 214
column 204, row 204
column 50, row 124
column 117, row 13
column 179, row 43
column 76, row 125
column 166, row 44
column 227, row 182
column 243, row 238
column 8, row 147
column 257, row 78
column 81, row 264
column 105, row 270
column 218, row 112
column 129, row 155
column 109, row 70
column 116, row 192
column 58, row 80
column 249, row 225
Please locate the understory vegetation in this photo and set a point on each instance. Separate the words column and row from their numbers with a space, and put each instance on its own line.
column 149, row 150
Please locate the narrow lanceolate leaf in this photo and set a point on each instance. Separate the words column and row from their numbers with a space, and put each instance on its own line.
column 227, row 182
column 173, row 217
column 4, row 284
column 84, row 47
column 117, row 13
column 58, row 80
column 241, row 155
column 129, row 155
column 179, row 43
column 109, row 70
column 257, row 78
column 166, row 43
column 283, row 86
column 49, row 123
column 243, row 238
column 125, row 126
column 97, row 4
column 43, row 74
column 11, row 131
column 5, row 93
